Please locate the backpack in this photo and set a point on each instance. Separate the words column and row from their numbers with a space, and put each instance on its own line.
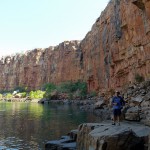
column 122, row 101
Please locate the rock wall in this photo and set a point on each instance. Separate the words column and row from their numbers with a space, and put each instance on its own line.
column 39, row 66
column 118, row 46
column 111, row 54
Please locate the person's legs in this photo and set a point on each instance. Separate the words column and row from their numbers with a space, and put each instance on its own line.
column 114, row 117
column 118, row 116
column 118, row 119
column 114, row 120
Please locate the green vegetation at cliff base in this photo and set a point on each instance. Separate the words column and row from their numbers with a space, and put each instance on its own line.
column 65, row 90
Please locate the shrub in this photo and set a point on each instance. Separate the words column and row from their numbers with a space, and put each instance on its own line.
column 24, row 94
column 139, row 78
column 36, row 94
column 70, row 96
column 93, row 94
column 83, row 89
column 70, row 88
column 62, row 88
column 73, row 87
column 49, row 88
column 8, row 95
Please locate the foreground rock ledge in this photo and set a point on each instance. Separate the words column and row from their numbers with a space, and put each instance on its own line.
column 104, row 136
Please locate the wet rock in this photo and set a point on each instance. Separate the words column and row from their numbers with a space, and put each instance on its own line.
column 65, row 143
column 73, row 134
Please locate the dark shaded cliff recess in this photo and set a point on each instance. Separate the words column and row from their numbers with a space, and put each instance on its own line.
column 111, row 55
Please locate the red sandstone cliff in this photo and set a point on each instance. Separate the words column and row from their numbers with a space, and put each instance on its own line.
column 112, row 53
column 118, row 46
column 39, row 66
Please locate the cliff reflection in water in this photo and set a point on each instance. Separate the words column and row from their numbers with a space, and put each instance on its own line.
column 30, row 125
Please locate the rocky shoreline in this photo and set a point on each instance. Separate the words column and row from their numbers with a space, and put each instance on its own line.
column 137, row 106
column 137, row 109
column 104, row 136
column 133, row 134
column 19, row 100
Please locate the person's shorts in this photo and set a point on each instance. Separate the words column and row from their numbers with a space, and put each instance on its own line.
column 117, row 112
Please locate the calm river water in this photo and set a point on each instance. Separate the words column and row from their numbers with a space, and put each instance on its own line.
column 28, row 126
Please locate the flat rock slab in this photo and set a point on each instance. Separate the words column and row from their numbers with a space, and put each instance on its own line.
column 127, row 136
column 65, row 143
column 108, row 129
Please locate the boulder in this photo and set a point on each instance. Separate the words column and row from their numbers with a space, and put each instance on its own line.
column 130, row 92
column 99, row 105
column 145, row 115
column 19, row 95
column 73, row 134
column 104, row 136
column 137, row 100
column 147, row 97
column 145, row 104
column 54, row 94
column 132, row 114
column 65, row 143
column 28, row 98
column 14, row 92
column 104, row 114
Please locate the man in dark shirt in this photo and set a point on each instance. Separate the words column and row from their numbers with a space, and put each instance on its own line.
column 117, row 103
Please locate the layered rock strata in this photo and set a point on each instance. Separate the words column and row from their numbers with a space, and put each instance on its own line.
column 118, row 46
column 110, row 56
column 40, row 66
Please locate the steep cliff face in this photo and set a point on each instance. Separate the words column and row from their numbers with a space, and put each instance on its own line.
column 118, row 46
column 112, row 53
column 39, row 66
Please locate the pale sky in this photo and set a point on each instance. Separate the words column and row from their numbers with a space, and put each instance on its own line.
column 29, row 24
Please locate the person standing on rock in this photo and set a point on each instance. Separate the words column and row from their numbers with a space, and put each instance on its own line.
column 117, row 103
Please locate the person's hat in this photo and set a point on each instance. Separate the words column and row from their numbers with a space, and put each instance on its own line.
column 117, row 92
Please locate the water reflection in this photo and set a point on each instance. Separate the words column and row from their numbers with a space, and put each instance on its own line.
column 29, row 125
